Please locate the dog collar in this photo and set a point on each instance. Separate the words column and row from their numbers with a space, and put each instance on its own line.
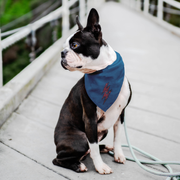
column 104, row 86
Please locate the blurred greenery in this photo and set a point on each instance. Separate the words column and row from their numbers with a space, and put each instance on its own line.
column 13, row 9
column 16, row 57
column 13, row 68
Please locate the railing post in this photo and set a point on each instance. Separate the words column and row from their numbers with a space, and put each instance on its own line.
column 54, row 24
column 138, row 5
column 160, row 10
column 82, row 9
column 33, row 44
column 1, row 68
column 146, row 6
column 65, row 17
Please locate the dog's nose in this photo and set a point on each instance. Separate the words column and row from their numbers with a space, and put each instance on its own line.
column 63, row 53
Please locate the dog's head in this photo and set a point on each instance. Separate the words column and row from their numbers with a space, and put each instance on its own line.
column 85, row 50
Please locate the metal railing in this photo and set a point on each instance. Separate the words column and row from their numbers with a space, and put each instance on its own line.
column 62, row 12
column 137, row 4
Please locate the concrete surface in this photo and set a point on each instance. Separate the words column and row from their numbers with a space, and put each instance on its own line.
column 152, row 58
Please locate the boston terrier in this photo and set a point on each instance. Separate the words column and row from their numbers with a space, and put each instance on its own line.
column 96, row 103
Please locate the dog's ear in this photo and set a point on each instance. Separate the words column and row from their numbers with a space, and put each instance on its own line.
column 93, row 23
column 79, row 24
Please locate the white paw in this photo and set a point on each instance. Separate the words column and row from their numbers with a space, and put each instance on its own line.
column 119, row 157
column 103, row 168
column 82, row 167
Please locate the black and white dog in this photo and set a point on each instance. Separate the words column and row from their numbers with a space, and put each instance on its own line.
column 83, row 122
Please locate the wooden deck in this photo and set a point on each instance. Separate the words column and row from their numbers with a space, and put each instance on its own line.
column 152, row 59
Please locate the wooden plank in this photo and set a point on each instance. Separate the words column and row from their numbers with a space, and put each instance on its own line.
column 15, row 165
column 35, row 141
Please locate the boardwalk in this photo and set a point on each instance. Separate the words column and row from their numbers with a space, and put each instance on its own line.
column 152, row 58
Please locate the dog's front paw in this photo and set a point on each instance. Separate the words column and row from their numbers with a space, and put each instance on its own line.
column 119, row 157
column 103, row 168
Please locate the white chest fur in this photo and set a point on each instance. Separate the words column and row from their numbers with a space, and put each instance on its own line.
column 113, row 113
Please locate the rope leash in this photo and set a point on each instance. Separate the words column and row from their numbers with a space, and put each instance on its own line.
column 155, row 160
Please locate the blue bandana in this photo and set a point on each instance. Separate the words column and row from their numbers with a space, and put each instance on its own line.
column 104, row 86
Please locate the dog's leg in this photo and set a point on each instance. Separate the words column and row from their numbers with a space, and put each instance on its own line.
column 118, row 152
column 91, row 133
column 71, row 164
column 90, row 120
column 100, row 166
column 71, row 145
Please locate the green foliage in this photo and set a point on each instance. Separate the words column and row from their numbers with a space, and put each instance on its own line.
column 12, row 9
column 12, row 69
column 35, row 3
column 175, row 20
column 16, row 59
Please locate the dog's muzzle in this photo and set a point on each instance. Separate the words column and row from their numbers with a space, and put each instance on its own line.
column 64, row 63
column 63, row 53
column 63, row 59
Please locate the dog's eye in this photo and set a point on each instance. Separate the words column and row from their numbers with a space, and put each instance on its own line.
column 74, row 45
